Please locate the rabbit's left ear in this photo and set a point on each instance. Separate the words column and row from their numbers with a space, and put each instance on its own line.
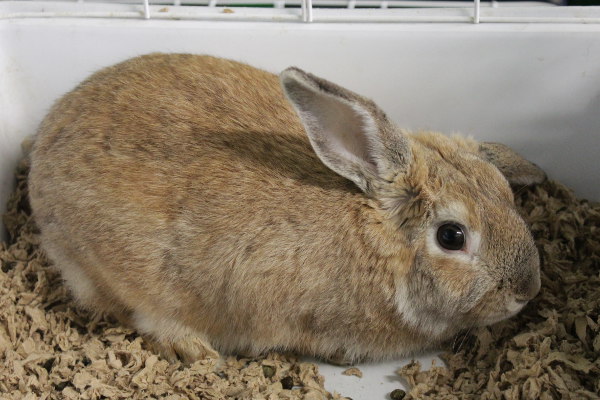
column 349, row 133
column 516, row 169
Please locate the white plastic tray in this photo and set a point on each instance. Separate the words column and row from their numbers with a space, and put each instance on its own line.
column 535, row 87
column 377, row 382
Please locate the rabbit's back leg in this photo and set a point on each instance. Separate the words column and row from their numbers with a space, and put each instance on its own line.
column 172, row 339
column 87, row 292
column 82, row 287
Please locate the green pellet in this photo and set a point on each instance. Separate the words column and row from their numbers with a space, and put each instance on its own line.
column 268, row 371
column 397, row 394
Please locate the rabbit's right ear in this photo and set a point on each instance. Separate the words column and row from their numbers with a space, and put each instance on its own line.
column 516, row 169
column 350, row 134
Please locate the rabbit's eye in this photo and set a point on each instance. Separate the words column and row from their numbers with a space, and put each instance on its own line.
column 451, row 236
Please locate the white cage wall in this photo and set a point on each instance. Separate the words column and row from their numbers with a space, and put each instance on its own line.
column 533, row 85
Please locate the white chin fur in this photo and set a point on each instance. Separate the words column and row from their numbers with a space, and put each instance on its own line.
column 512, row 309
column 426, row 323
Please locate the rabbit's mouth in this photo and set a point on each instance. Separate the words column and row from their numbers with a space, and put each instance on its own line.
column 511, row 309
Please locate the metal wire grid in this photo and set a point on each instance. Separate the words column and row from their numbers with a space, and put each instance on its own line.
column 307, row 5
column 307, row 11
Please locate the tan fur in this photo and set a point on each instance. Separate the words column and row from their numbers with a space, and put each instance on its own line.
column 181, row 193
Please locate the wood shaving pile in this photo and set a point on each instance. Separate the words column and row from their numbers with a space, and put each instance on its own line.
column 551, row 350
column 51, row 349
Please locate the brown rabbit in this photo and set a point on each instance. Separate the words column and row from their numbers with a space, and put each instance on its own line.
column 186, row 195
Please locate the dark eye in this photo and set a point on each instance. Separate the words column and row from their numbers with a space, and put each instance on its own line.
column 451, row 236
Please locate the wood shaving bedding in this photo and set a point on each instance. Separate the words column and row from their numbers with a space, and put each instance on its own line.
column 51, row 349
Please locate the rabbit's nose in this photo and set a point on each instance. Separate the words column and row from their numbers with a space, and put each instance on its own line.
column 528, row 286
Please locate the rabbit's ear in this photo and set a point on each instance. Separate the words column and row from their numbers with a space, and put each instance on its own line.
column 516, row 169
column 349, row 133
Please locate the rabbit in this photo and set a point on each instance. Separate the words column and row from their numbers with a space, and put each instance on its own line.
column 217, row 208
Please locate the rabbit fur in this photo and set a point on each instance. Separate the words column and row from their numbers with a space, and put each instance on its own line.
column 216, row 207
